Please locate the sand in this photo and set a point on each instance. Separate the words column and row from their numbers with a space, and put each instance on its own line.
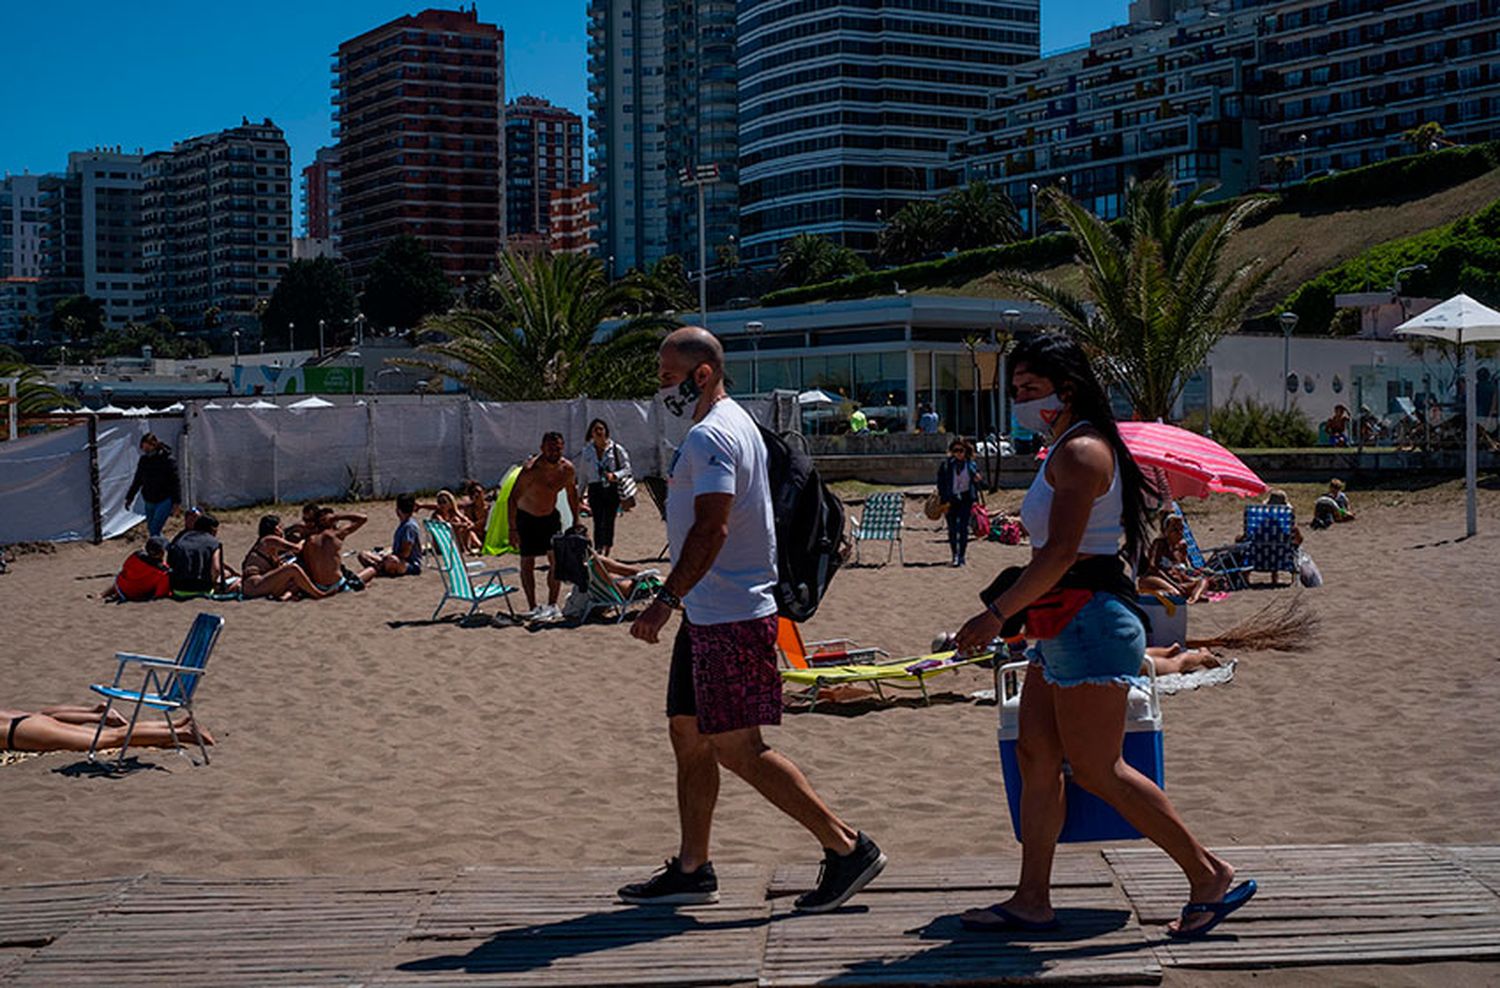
column 357, row 737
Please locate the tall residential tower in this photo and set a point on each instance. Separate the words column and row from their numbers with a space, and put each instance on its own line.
column 543, row 152
column 420, row 125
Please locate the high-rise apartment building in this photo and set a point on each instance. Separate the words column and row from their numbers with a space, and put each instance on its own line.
column 216, row 218
column 662, row 98
column 21, row 222
column 320, row 194
column 1150, row 96
column 420, row 125
column 543, row 152
column 1355, row 76
column 573, row 227
column 847, row 110
column 109, row 215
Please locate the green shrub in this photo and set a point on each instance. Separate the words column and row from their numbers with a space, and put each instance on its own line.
column 1463, row 256
column 1410, row 177
column 1246, row 422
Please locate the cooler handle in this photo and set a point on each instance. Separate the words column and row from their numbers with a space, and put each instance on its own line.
column 1010, row 680
column 1155, row 694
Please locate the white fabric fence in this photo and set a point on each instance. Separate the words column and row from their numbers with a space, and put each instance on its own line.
column 232, row 457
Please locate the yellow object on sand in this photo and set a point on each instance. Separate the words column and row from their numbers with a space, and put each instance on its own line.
column 906, row 673
column 497, row 530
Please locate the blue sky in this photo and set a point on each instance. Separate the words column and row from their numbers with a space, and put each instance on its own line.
column 79, row 73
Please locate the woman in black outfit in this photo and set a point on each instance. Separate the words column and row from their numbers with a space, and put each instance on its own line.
column 601, row 465
column 958, row 488
column 157, row 482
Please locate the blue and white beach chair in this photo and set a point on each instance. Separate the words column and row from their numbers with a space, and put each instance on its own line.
column 167, row 686
column 880, row 521
column 458, row 582
column 1268, row 546
column 1222, row 563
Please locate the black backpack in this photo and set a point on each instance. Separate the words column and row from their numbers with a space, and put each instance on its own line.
column 810, row 542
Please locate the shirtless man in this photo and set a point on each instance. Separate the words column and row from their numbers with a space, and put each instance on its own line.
column 534, row 518
column 322, row 553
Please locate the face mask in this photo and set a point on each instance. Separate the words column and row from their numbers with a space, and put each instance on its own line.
column 1038, row 414
column 679, row 398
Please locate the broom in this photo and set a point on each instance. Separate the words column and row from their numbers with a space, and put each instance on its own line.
column 1289, row 627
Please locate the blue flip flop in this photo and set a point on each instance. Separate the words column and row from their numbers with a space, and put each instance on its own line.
column 1009, row 923
column 1218, row 911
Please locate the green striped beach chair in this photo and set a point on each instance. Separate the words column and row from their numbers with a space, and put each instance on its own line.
column 458, row 582
column 880, row 521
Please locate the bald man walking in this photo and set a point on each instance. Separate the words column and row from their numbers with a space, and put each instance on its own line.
column 723, row 685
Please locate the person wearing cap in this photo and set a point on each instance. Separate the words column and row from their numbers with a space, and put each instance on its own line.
column 145, row 575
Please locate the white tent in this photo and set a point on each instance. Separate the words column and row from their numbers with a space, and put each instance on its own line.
column 212, row 405
column 312, row 402
column 816, row 396
column 110, row 410
column 177, row 406
column 1462, row 322
column 139, row 411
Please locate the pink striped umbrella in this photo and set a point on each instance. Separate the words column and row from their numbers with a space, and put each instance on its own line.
column 1192, row 465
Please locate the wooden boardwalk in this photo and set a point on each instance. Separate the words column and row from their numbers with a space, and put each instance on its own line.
column 1327, row 904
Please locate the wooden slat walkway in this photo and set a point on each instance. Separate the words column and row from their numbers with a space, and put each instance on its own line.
column 1326, row 904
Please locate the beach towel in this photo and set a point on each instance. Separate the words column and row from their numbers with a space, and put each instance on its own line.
column 1177, row 682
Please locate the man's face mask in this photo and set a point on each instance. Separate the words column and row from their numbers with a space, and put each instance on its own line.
column 680, row 398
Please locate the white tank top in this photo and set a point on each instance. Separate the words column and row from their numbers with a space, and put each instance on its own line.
column 1105, row 530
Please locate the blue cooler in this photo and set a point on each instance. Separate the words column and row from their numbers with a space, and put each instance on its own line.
column 1089, row 818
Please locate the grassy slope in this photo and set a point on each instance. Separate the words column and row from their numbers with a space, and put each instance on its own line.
column 1316, row 241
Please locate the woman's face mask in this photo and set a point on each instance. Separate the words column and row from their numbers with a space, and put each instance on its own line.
column 1038, row 414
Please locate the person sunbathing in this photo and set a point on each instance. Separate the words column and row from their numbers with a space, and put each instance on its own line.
column 270, row 568
column 475, row 504
column 445, row 507
column 1174, row 658
column 1167, row 570
column 323, row 552
column 73, row 728
column 145, row 575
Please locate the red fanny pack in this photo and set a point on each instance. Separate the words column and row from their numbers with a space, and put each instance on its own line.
column 1050, row 614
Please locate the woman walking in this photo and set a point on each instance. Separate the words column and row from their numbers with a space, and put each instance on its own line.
column 958, row 488
column 1086, row 513
column 601, row 466
column 157, row 482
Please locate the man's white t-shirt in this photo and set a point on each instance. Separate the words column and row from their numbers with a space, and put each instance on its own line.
column 724, row 454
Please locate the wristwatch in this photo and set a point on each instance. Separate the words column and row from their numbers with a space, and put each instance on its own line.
column 665, row 596
column 995, row 611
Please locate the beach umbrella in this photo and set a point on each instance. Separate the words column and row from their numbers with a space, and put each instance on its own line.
column 261, row 404
column 1462, row 322
column 139, row 411
column 212, row 405
column 67, row 411
column 1187, row 464
column 176, row 406
column 312, row 402
column 110, row 410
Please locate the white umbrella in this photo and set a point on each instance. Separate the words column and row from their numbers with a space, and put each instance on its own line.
column 140, row 411
column 111, row 410
column 313, row 402
column 1462, row 322
column 176, row 406
column 261, row 404
column 816, row 396
column 65, row 411
column 212, row 405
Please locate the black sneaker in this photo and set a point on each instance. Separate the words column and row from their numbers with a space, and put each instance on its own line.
column 842, row 875
column 673, row 887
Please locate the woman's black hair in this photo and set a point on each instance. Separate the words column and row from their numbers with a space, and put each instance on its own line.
column 268, row 524
column 1060, row 359
column 588, row 434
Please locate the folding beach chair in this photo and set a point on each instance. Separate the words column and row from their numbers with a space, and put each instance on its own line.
column 1221, row 563
column 604, row 592
column 830, row 652
column 881, row 521
column 166, row 686
column 1268, row 544
column 458, row 582
column 911, row 673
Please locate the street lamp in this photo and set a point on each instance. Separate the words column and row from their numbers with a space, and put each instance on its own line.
column 1396, row 282
column 320, row 337
column 236, row 335
column 1302, row 146
column 1034, row 190
column 1288, row 323
column 291, row 336
column 753, row 329
column 701, row 176
column 359, row 329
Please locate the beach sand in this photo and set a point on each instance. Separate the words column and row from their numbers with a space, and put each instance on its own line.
column 355, row 737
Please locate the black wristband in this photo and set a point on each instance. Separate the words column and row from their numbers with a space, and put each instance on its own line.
column 665, row 596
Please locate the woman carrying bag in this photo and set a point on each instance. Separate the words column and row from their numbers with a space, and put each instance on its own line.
column 603, row 469
column 958, row 488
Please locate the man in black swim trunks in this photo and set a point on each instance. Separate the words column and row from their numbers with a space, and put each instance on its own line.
column 534, row 519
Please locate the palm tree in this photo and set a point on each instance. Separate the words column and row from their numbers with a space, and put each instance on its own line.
column 37, row 395
column 918, row 230
column 808, row 259
column 665, row 287
column 980, row 215
column 1155, row 299
column 1428, row 136
column 539, row 337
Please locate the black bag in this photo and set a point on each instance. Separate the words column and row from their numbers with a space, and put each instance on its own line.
column 810, row 541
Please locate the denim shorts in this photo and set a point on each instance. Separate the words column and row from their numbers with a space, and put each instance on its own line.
column 1104, row 643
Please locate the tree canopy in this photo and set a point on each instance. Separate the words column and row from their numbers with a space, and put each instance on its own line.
column 404, row 284
column 975, row 215
column 309, row 290
column 539, row 335
column 1156, row 298
column 807, row 259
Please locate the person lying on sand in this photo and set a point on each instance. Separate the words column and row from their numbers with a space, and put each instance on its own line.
column 72, row 729
column 322, row 553
column 1174, row 658
column 270, row 568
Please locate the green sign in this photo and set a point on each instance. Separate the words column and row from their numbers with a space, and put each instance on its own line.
column 334, row 380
